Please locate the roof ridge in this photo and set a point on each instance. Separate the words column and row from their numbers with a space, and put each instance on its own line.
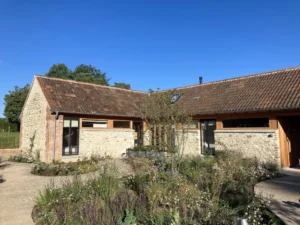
column 82, row 82
column 235, row 78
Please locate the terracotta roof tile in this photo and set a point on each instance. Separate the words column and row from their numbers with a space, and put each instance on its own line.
column 85, row 98
column 274, row 90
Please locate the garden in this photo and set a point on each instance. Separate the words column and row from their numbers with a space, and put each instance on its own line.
column 191, row 190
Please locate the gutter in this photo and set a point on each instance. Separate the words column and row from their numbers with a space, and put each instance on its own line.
column 54, row 141
column 94, row 114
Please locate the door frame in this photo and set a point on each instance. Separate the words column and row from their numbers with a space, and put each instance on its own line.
column 142, row 131
column 202, row 151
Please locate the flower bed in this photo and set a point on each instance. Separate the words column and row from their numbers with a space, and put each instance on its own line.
column 201, row 191
column 145, row 151
column 64, row 169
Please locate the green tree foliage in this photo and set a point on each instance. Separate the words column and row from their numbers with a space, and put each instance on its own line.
column 5, row 126
column 90, row 74
column 14, row 102
column 85, row 73
column 122, row 85
column 59, row 70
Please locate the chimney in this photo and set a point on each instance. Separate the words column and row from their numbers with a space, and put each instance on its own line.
column 200, row 80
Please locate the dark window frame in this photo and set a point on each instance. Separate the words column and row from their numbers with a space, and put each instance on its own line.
column 93, row 122
column 121, row 121
column 69, row 139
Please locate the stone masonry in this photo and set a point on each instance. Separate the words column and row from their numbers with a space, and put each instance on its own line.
column 262, row 144
column 33, row 122
column 110, row 142
column 190, row 142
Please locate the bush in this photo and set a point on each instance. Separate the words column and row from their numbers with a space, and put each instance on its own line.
column 21, row 158
column 64, row 169
column 201, row 191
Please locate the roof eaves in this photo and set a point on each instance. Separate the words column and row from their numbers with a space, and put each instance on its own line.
column 247, row 110
column 94, row 114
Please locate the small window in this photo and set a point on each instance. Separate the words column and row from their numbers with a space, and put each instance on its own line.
column 192, row 124
column 175, row 97
column 121, row 124
column 94, row 123
column 250, row 122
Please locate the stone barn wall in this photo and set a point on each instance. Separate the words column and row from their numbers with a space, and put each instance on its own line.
column 33, row 122
column 110, row 142
column 262, row 144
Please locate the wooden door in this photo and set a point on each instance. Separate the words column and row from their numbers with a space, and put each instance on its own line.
column 295, row 142
column 285, row 147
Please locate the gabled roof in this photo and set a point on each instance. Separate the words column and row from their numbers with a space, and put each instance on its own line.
column 276, row 90
column 69, row 96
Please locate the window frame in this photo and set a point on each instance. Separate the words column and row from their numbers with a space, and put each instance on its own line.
column 245, row 127
column 78, row 136
column 95, row 120
column 129, row 123
column 109, row 124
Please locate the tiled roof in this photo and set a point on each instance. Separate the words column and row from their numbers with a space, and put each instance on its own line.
column 269, row 91
column 84, row 98
column 274, row 90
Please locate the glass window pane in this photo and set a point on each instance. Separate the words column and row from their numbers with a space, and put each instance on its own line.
column 121, row 124
column 250, row 122
column 74, row 123
column 94, row 123
column 67, row 123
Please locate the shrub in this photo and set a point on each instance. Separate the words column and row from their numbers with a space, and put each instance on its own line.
column 202, row 191
column 64, row 169
column 22, row 158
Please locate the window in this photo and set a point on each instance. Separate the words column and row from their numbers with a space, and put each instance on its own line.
column 175, row 97
column 192, row 124
column 250, row 122
column 70, row 137
column 121, row 124
column 94, row 123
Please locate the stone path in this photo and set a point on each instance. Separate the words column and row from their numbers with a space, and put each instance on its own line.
column 20, row 189
column 285, row 191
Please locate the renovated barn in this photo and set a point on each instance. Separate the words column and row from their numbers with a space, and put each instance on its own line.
column 258, row 115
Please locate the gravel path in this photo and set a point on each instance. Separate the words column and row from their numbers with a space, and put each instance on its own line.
column 19, row 190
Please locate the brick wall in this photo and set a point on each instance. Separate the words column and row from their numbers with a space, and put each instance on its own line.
column 262, row 144
column 33, row 122
column 50, row 137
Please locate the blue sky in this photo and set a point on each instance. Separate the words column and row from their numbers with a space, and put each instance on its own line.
column 147, row 43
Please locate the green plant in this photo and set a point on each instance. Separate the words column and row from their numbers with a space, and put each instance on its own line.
column 203, row 191
column 144, row 148
column 128, row 218
column 64, row 169
column 22, row 158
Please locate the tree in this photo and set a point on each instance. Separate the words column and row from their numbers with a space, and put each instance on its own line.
column 14, row 102
column 59, row 70
column 122, row 85
column 162, row 117
column 90, row 74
